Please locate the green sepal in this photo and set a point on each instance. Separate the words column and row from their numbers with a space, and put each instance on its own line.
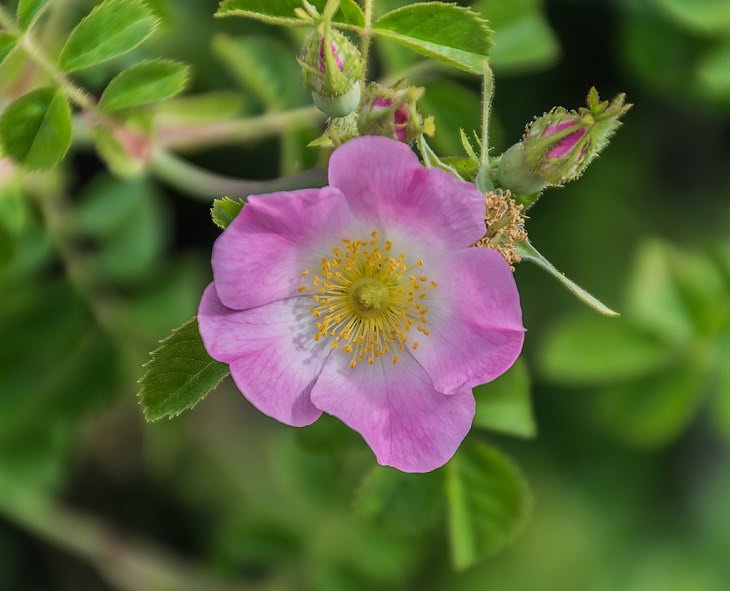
column 529, row 253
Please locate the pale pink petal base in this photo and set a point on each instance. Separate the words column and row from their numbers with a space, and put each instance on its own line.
column 406, row 423
column 475, row 322
column 273, row 357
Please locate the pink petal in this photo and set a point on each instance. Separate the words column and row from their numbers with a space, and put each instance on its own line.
column 259, row 258
column 406, row 423
column 387, row 187
column 475, row 322
column 274, row 359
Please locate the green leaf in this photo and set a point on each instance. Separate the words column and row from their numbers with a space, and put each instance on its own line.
column 225, row 210
column 504, row 404
column 523, row 38
column 265, row 66
column 654, row 410
column 446, row 32
column 179, row 374
column 590, row 350
column 29, row 10
column 36, row 129
column 673, row 294
column 126, row 222
column 714, row 71
column 488, row 502
column 529, row 253
column 707, row 17
column 147, row 82
column 397, row 501
column 7, row 44
column 281, row 12
column 113, row 28
column 12, row 219
column 721, row 388
column 454, row 106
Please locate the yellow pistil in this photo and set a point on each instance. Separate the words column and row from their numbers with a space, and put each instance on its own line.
column 367, row 300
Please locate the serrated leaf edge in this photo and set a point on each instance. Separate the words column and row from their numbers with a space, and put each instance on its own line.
column 152, row 359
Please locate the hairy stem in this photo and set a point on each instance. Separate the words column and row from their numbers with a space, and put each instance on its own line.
column 484, row 182
column 26, row 41
column 367, row 34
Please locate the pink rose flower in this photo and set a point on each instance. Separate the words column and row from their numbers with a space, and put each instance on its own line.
column 365, row 300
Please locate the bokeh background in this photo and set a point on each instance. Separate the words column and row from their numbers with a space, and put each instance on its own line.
column 630, row 471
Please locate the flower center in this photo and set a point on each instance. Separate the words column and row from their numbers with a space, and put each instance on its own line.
column 367, row 301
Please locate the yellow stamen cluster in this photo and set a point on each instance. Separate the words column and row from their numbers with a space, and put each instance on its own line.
column 505, row 226
column 368, row 300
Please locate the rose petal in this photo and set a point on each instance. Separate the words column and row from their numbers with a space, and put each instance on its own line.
column 474, row 320
column 387, row 187
column 394, row 406
column 273, row 357
column 259, row 258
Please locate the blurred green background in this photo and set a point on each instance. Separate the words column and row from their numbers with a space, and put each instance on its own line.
column 630, row 471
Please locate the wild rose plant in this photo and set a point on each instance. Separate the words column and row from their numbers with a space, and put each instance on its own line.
column 382, row 296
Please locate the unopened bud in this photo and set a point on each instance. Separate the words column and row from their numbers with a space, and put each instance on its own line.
column 331, row 67
column 558, row 146
column 393, row 112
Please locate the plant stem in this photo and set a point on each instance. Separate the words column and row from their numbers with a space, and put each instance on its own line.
column 367, row 34
column 484, row 182
column 204, row 185
column 35, row 53
column 237, row 131
column 127, row 564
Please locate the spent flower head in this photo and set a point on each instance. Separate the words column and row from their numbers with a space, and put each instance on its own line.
column 393, row 112
column 366, row 300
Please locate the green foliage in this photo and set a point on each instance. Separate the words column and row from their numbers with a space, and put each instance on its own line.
column 281, row 12
column 652, row 411
column 702, row 16
column 126, row 222
column 264, row 66
column 113, row 28
column 714, row 71
column 36, row 128
column 454, row 106
column 225, row 210
column 146, row 82
column 488, row 502
column 7, row 44
column 179, row 374
column 653, row 367
column 590, row 350
column 523, row 39
column 399, row 502
column 448, row 33
column 504, row 404
column 29, row 10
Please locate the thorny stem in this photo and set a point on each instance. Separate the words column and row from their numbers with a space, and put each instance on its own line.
column 367, row 34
